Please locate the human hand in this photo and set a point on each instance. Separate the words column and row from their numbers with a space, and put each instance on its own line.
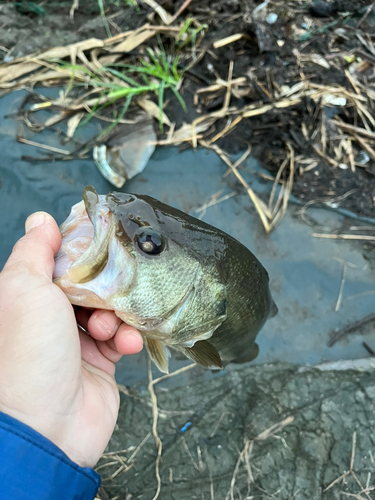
column 53, row 379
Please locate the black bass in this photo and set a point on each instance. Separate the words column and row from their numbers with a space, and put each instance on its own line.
column 182, row 283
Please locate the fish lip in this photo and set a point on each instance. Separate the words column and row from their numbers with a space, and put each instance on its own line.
column 92, row 217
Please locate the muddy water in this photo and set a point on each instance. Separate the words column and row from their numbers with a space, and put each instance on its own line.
column 305, row 272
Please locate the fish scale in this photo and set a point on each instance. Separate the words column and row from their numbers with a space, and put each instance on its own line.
column 183, row 283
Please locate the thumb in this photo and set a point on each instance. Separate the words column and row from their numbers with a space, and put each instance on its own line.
column 34, row 253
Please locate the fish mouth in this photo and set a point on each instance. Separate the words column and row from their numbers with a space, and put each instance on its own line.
column 91, row 263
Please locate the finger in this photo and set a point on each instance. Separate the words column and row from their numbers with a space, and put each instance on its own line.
column 109, row 351
column 103, row 325
column 34, row 253
column 83, row 316
column 91, row 353
column 127, row 340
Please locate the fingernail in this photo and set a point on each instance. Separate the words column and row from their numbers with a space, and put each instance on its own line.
column 105, row 327
column 35, row 220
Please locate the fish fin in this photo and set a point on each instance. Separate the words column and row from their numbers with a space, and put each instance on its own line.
column 204, row 354
column 274, row 309
column 246, row 354
column 159, row 353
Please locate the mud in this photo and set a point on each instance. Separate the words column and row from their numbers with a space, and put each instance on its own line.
column 299, row 462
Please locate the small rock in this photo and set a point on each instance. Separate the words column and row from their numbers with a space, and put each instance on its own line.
column 362, row 158
column 271, row 18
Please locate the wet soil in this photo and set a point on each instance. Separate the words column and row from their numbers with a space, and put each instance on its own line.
column 267, row 58
column 205, row 433
column 206, row 421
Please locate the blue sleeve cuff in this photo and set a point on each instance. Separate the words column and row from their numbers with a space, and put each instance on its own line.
column 33, row 468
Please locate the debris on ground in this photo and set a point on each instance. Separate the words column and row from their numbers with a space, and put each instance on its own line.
column 127, row 152
column 278, row 432
column 277, row 77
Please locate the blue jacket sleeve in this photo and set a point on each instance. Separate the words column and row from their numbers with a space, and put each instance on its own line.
column 33, row 468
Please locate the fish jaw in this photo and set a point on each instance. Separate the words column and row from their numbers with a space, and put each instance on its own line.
column 92, row 266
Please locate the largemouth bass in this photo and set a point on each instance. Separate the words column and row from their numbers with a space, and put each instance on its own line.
column 182, row 283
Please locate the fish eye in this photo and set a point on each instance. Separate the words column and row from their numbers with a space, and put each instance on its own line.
column 150, row 242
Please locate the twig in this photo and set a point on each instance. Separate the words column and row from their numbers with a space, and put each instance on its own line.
column 235, row 122
column 365, row 146
column 230, row 39
column 339, row 298
column 365, row 55
column 144, row 440
column 244, row 455
column 344, row 236
column 212, row 493
column 219, row 422
column 229, row 86
column 274, row 428
column 173, row 374
column 369, row 349
column 164, row 16
column 364, row 17
column 43, row 146
column 350, row 471
column 184, row 6
column 74, row 7
column 155, row 414
column 195, row 465
column 259, row 205
column 351, row 328
column 214, row 200
column 158, row 443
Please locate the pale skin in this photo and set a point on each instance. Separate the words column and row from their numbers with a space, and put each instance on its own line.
column 52, row 378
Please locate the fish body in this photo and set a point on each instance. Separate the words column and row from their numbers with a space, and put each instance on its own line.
column 182, row 283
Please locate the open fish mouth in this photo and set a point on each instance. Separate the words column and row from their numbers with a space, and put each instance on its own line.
column 91, row 262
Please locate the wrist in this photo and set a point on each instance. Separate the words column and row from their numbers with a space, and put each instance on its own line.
column 54, row 430
column 28, row 458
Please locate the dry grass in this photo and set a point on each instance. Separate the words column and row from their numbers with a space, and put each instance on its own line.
column 155, row 415
column 244, row 458
column 88, row 64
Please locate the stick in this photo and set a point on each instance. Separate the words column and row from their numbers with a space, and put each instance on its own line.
column 351, row 328
column 352, row 128
column 364, row 17
column 370, row 350
column 339, row 298
column 229, row 39
column 181, row 9
column 365, row 146
column 74, row 7
column 344, row 236
column 155, row 414
column 158, row 443
column 43, row 146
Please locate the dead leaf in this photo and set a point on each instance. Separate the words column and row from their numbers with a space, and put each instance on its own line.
column 164, row 16
column 10, row 73
column 153, row 110
column 73, row 123
column 134, row 40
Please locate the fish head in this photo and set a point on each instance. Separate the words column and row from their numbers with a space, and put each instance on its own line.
column 128, row 253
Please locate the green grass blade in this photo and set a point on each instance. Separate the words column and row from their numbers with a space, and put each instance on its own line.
column 175, row 72
column 105, row 22
column 117, row 94
column 184, row 28
column 180, row 99
column 127, row 79
column 120, row 117
column 145, row 79
column 155, row 60
column 161, row 100
column 92, row 113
